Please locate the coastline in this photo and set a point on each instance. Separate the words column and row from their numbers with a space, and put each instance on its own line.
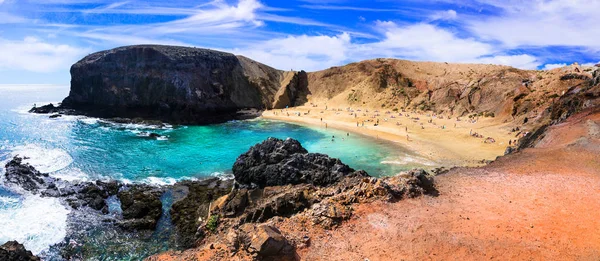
column 451, row 145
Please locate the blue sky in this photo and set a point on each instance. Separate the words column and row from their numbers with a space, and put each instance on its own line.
column 40, row 39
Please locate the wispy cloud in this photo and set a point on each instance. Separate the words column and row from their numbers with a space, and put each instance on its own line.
column 346, row 8
column 32, row 54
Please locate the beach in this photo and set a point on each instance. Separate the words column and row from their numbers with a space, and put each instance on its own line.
column 438, row 138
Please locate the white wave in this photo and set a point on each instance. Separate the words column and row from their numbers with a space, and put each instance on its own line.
column 43, row 159
column 409, row 160
column 36, row 223
column 162, row 138
column 89, row 121
column 159, row 181
column 71, row 174
column 222, row 176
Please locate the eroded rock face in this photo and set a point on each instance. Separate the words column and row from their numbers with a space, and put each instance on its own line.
column 13, row 251
column 191, row 205
column 276, row 162
column 170, row 83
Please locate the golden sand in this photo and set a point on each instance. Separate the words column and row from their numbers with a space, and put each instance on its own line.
column 436, row 138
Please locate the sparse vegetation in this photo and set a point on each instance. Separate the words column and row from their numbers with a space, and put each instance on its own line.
column 212, row 223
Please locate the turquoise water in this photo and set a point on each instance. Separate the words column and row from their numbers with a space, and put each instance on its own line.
column 74, row 147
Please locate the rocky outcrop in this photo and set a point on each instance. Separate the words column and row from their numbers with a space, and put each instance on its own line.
column 276, row 162
column 13, row 251
column 141, row 206
column 173, row 84
column 190, row 208
column 78, row 194
column 292, row 93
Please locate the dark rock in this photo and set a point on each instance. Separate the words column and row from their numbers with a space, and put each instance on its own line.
column 45, row 109
column 77, row 195
column 54, row 116
column 13, row 251
column 141, row 206
column 173, row 84
column 190, row 206
column 154, row 135
column 572, row 76
column 276, row 162
column 26, row 176
column 510, row 150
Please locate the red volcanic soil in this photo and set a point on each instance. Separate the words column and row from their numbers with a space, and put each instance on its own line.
column 540, row 204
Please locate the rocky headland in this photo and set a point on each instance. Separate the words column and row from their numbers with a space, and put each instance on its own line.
column 176, row 84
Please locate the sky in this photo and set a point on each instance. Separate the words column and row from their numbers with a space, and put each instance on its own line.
column 41, row 39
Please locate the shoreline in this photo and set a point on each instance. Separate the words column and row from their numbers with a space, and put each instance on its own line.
column 450, row 146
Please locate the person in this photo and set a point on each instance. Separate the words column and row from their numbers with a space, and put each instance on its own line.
column 510, row 143
column 348, row 134
column 321, row 119
column 471, row 132
column 326, row 125
column 406, row 128
column 407, row 137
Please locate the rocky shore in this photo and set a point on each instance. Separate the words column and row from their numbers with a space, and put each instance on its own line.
column 274, row 179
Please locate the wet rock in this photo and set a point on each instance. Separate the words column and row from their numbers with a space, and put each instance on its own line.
column 54, row 116
column 76, row 194
column 27, row 177
column 276, row 162
column 13, row 251
column 191, row 206
column 141, row 206
column 45, row 109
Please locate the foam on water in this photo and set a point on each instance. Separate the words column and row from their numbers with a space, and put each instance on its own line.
column 35, row 222
column 45, row 160
column 410, row 160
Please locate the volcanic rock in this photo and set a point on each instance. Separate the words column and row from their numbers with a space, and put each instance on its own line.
column 141, row 206
column 174, row 84
column 276, row 162
column 13, row 251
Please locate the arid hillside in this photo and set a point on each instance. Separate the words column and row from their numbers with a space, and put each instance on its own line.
column 496, row 91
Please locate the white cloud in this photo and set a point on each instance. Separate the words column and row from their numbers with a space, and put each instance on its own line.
column 444, row 15
column 551, row 66
column 428, row 42
column 541, row 23
column 522, row 61
column 32, row 54
column 422, row 42
column 300, row 52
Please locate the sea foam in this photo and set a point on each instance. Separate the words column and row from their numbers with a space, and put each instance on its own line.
column 35, row 222
column 45, row 160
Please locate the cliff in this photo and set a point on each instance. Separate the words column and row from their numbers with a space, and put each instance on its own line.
column 175, row 84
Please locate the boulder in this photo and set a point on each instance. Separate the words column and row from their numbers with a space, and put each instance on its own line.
column 265, row 241
column 13, row 251
column 276, row 162
column 141, row 206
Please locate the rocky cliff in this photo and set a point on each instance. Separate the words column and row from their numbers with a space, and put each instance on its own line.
column 176, row 84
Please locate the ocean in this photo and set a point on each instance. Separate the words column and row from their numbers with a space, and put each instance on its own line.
column 83, row 148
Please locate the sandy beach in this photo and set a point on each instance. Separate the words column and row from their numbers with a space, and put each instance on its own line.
column 434, row 137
